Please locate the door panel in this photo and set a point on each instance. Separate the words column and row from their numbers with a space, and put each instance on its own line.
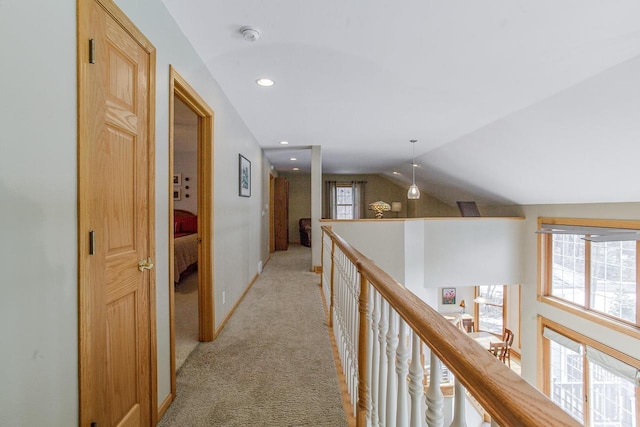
column 115, row 203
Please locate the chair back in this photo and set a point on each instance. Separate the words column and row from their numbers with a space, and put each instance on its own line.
column 508, row 337
column 499, row 350
column 468, row 325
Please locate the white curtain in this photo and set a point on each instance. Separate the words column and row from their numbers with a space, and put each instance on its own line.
column 357, row 188
column 330, row 199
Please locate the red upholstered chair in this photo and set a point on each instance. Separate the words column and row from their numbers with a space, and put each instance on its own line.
column 305, row 231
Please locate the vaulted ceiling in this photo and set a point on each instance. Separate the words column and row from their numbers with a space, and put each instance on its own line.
column 511, row 101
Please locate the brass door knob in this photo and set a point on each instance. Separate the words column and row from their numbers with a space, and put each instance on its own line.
column 145, row 264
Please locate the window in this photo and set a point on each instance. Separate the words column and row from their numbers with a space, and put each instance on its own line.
column 598, row 276
column 344, row 199
column 613, row 279
column 592, row 386
column 490, row 308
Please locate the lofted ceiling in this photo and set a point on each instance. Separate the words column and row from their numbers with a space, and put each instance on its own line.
column 510, row 101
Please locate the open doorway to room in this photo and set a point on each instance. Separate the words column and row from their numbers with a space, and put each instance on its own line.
column 185, row 230
column 191, row 304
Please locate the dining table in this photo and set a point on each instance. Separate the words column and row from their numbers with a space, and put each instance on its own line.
column 484, row 338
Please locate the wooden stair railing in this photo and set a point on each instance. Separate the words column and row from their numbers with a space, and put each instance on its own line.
column 370, row 313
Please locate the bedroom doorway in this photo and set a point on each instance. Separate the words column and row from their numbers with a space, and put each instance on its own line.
column 191, row 297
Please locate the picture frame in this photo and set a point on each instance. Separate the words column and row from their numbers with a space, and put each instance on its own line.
column 177, row 179
column 244, row 176
column 177, row 194
column 448, row 296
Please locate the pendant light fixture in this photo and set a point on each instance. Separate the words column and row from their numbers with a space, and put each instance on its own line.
column 414, row 191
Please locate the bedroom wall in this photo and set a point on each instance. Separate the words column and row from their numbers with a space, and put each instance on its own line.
column 186, row 163
column 38, row 312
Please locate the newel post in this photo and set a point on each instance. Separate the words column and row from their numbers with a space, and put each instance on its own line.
column 363, row 332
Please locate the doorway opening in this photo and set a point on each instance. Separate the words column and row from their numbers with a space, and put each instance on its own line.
column 191, row 296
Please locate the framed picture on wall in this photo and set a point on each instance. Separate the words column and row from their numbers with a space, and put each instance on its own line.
column 244, row 176
column 177, row 179
column 448, row 296
column 177, row 194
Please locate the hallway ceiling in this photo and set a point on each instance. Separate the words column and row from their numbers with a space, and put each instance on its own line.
column 511, row 101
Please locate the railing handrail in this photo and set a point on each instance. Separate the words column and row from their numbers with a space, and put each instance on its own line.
column 508, row 398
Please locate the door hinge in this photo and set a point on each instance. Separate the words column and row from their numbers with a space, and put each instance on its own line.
column 92, row 51
column 92, row 242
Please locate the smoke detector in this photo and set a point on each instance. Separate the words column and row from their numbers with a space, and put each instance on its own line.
column 250, row 34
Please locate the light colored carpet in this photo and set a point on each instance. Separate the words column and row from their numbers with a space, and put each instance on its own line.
column 186, row 317
column 272, row 365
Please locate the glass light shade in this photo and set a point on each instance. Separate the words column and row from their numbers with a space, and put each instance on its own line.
column 413, row 193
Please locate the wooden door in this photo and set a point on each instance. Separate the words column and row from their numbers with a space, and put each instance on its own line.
column 116, row 220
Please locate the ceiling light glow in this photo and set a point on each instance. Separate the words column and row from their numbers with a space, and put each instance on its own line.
column 284, row 142
column 264, row 82
column 293, row 159
column 296, row 169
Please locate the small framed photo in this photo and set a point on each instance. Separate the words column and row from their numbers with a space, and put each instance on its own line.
column 177, row 194
column 177, row 179
column 448, row 296
column 244, row 176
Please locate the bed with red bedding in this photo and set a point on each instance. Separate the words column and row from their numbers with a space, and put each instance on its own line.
column 185, row 242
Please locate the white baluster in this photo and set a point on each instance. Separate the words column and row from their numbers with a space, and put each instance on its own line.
column 355, row 295
column 416, row 376
column 402, row 370
column 370, row 354
column 459, row 416
column 392, row 379
column 375, row 359
column 435, row 398
column 382, row 386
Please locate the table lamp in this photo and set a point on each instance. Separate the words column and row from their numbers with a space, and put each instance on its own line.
column 379, row 207
column 396, row 207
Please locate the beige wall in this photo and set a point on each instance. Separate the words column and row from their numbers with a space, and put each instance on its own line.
column 380, row 188
column 299, row 201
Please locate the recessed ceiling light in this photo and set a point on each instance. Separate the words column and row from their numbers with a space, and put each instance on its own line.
column 293, row 159
column 284, row 142
column 296, row 169
column 396, row 173
column 265, row 82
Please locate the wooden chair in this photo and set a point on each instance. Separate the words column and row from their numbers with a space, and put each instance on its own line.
column 499, row 350
column 508, row 341
column 468, row 325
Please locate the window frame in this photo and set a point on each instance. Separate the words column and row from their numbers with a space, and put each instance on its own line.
column 349, row 185
column 545, row 270
column 544, row 358
column 476, row 294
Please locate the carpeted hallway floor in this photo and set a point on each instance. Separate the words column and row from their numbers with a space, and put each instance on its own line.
column 272, row 365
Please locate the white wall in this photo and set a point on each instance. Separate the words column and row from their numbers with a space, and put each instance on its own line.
column 38, row 312
column 472, row 251
column 531, row 308
column 186, row 163
column 381, row 241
